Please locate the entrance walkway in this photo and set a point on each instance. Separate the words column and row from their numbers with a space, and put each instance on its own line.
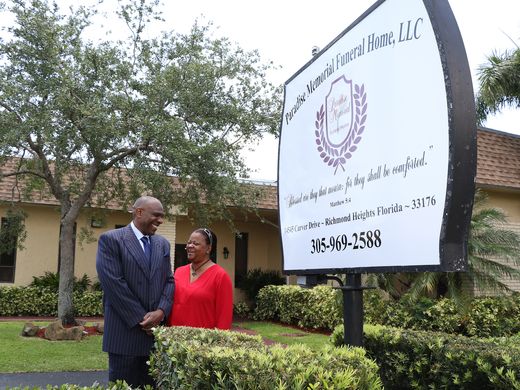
column 42, row 379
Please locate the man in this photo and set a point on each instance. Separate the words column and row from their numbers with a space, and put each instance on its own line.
column 138, row 285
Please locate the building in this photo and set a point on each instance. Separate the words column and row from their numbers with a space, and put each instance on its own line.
column 257, row 245
column 498, row 174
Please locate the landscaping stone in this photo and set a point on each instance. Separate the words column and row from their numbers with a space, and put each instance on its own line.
column 30, row 330
column 55, row 331
column 100, row 327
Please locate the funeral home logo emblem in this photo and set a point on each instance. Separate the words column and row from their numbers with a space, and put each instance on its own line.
column 340, row 122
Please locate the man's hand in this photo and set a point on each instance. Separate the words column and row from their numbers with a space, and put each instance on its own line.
column 151, row 319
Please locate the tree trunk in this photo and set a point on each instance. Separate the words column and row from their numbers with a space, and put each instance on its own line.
column 65, row 306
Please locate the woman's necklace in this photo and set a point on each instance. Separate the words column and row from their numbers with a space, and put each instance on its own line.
column 194, row 270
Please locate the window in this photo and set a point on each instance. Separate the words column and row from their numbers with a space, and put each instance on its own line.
column 7, row 260
column 241, row 241
column 181, row 257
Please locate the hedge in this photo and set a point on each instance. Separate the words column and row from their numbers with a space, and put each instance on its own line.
column 315, row 308
column 431, row 360
column 320, row 307
column 36, row 301
column 192, row 358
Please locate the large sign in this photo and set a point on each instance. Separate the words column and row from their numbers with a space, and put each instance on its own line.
column 377, row 152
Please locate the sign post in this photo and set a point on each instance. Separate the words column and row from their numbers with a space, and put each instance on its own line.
column 353, row 311
column 377, row 153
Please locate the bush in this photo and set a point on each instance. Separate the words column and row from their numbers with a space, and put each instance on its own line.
column 36, row 301
column 96, row 286
column 241, row 310
column 424, row 360
column 485, row 317
column 255, row 279
column 194, row 358
column 28, row 301
column 321, row 307
column 51, row 280
column 425, row 314
column 88, row 303
column 498, row 316
column 313, row 308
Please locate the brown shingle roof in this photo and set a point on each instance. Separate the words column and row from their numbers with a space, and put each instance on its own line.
column 498, row 161
column 498, row 166
column 11, row 188
column 269, row 198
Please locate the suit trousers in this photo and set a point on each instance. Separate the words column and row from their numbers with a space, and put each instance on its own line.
column 132, row 369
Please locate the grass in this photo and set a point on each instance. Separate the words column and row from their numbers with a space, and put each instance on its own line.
column 286, row 335
column 33, row 354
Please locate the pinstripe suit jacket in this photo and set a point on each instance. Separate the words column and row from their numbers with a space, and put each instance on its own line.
column 131, row 288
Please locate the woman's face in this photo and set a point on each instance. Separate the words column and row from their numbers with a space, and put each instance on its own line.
column 197, row 248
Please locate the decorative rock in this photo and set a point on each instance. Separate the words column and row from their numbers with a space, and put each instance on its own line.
column 55, row 331
column 30, row 330
column 100, row 327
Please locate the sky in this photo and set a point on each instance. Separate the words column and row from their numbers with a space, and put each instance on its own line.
column 284, row 31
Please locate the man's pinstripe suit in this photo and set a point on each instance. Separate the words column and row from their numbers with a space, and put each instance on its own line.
column 133, row 286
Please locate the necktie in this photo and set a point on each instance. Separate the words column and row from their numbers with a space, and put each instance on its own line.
column 147, row 249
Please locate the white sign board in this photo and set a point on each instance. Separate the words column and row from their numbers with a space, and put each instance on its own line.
column 364, row 160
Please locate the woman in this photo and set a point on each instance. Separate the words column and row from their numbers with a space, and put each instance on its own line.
column 203, row 296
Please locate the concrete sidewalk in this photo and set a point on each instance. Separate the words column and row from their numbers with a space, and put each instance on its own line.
column 42, row 379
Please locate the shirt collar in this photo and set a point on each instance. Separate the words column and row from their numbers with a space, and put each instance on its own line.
column 136, row 231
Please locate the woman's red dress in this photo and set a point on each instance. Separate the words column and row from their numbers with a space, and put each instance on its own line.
column 205, row 303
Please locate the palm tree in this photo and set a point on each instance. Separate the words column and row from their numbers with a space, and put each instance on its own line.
column 489, row 240
column 499, row 83
column 493, row 256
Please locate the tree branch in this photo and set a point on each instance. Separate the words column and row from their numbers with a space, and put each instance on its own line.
column 10, row 109
column 24, row 172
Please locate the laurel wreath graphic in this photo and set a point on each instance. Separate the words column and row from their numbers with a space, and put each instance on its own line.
column 337, row 157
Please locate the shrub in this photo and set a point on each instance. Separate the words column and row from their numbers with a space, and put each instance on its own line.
column 51, row 280
column 193, row 358
column 314, row 308
column 43, row 301
column 321, row 307
column 496, row 316
column 82, row 284
column 241, row 310
column 88, row 303
column 485, row 317
column 96, row 286
column 255, row 279
column 423, row 360
column 28, row 301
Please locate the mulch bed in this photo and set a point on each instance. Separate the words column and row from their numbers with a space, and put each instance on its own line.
column 87, row 331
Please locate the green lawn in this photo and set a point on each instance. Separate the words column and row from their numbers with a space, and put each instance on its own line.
column 286, row 335
column 32, row 354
